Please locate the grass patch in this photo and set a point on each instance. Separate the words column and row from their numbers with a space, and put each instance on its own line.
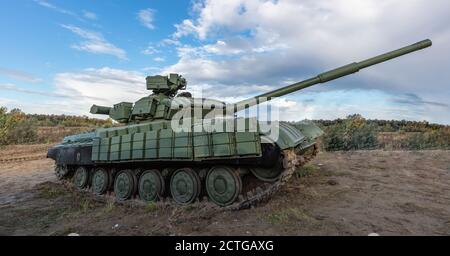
column 286, row 216
column 190, row 207
column 151, row 207
column 277, row 218
column 52, row 192
column 109, row 207
column 305, row 171
column 49, row 216
column 84, row 206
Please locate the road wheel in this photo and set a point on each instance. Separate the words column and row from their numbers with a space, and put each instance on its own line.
column 100, row 181
column 151, row 185
column 81, row 178
column 124, row 185
column 223, row 185
column 185, row 186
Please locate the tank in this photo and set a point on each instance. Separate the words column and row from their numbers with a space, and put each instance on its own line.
column 171, row 146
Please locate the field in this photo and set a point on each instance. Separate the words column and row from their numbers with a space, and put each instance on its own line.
column 339, row 193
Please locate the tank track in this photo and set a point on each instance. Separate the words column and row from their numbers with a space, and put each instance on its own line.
column 22, row 159
column 247, row 199
column 291, row 161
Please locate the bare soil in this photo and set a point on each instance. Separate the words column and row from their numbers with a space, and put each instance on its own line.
column 341, row 193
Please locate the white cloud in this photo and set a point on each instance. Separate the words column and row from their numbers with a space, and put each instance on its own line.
column 146, row 17
column 222, row 48
column 169, row 41
column 150, row 50
column 82, row 16
column 158, row 59
column 19, row 75
column 109, row 86
column 187, row 27
column 268, row 42
column 155, row 70
column 90, row 15
column 13, row 87
column 316, row 33
column 6, row 102
column 75, row 92
column 56, row 8
column 95, row 43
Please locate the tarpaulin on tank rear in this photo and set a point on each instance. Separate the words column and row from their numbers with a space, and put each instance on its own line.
column 282, row 134
column 309, row 129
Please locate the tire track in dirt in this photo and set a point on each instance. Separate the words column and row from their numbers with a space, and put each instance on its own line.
column 21, row 168
column 21, row 159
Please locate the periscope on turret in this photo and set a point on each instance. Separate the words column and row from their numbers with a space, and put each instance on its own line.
column 148, row 158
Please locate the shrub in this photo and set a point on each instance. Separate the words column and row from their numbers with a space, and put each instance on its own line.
column 353, row 133
column 15, row 128
column 22, row 132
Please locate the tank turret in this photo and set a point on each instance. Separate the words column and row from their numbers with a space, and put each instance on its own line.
column 155, row 106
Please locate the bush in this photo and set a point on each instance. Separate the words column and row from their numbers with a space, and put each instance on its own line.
column 353, row 133
column 15, row 128
column 23, row 132
column 430, row 140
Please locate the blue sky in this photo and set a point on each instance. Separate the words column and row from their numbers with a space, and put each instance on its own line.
column 37, row 41
column 62, row 56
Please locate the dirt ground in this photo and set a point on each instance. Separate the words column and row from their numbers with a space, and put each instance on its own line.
column 343, row 193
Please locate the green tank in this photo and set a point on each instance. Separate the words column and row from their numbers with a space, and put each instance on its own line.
column 171, row 145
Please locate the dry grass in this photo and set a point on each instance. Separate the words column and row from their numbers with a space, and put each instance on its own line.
column 305, row 171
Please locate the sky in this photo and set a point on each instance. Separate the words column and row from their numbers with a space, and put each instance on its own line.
column 60, row 57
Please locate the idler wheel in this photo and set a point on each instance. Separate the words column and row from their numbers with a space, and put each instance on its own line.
column 81, row 178
column 61, row 172
column 268, row 174
column 185, row 186
column 124, row 185
column 100, row 181
column 151, row 185
column 223, row 185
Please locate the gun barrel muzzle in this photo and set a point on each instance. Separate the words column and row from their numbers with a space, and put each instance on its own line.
column 101, row 110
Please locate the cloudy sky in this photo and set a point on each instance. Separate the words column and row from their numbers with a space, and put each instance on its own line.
column 62, row 56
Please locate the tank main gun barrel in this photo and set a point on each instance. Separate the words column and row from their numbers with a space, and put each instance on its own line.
column 329, row 75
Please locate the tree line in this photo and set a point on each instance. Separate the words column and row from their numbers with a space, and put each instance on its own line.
column 16, row 127
column 351, row 133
